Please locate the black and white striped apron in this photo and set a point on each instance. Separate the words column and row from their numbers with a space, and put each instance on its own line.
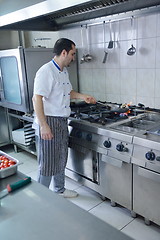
column 52, row 154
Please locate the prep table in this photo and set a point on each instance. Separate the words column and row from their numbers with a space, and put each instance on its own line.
column 35, row 212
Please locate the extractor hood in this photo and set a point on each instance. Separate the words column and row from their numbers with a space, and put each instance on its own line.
column 51, row 15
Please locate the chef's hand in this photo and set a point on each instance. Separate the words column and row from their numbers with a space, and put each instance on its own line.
column 46, row 133
column 89, row 99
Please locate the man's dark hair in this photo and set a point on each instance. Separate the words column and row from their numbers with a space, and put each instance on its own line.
column 62, row 44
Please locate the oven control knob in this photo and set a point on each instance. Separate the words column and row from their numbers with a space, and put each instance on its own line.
column 150, row 155
column 78, row 134
column 158, row 158
column 107, row 144
column 89, row 137
column 120, row 147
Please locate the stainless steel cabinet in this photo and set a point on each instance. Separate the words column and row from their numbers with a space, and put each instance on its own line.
column 4, row 132
column 116, row 181
column 146, row 194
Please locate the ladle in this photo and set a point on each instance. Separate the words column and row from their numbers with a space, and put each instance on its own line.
column 85, row 57
column 88, row 56
column 132, row 50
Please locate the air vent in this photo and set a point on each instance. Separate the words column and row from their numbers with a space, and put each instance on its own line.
column 86, row 8
column 54, row 17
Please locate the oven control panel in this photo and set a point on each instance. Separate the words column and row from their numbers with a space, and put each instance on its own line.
column 103, row 144
column 146, row 157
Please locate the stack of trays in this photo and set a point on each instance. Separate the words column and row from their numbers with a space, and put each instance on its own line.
column 25, row 135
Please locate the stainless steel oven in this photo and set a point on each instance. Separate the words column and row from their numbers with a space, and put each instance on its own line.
column 17, row 71
column 100, row 159
column 83, row 158
column 83, row 162
column 146, row 175
column 146, row 194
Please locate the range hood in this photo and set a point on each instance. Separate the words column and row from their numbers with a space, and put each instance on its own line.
column 38, row 15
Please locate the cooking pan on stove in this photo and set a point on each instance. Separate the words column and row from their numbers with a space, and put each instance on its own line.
column 78, row 104
column 137, row 110
column 119, row 110
column 113, row 107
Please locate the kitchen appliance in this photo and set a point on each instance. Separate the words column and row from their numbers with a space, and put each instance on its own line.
column 17, row 71
column 146, row 174
column 4, row 132
column 144, row 121
column 18, row 68
column 98, row 156
column 102, row 147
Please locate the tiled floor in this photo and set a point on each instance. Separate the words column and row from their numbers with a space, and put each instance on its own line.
column 118, row 216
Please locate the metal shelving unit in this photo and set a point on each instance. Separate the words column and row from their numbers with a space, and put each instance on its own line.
column 18, row 120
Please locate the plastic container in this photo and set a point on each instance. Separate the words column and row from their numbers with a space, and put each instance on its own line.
column 9, row 170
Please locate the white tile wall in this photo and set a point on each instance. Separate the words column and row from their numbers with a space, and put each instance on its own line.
column 158, row 24
column 146, row 53
column 147, row 26
column 122, row 78
column 158, row 52
column 145, row 82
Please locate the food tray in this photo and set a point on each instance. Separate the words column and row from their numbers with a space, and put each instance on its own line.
column 9, row 170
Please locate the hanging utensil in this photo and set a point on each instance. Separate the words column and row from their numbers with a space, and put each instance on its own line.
column 105, row 52
column 83, row 57
column 110, row 45
column 132, row 50
column 88, row 56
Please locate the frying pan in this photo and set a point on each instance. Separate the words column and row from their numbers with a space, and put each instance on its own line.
column 113, row 108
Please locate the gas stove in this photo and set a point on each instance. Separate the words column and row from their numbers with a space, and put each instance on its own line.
column 102, row 113
column 109, row 128
column 110, row 146
column 89, row 126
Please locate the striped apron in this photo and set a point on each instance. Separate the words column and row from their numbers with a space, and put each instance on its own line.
column 52, row 154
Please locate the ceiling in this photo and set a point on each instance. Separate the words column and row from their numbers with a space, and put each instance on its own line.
column 45, row 16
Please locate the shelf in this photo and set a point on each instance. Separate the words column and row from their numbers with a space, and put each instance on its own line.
column 31, row 148
column 25, row 118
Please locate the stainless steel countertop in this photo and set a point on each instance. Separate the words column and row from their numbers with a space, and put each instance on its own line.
column 37, row 213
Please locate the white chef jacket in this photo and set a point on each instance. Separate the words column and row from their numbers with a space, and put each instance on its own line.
column 55, row 87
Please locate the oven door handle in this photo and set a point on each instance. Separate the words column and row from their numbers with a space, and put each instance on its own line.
column 149, row 174
column 79, row 148
column 111, row 161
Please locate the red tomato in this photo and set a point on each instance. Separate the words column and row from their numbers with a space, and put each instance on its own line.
column 6, row 165
column 12, row 162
